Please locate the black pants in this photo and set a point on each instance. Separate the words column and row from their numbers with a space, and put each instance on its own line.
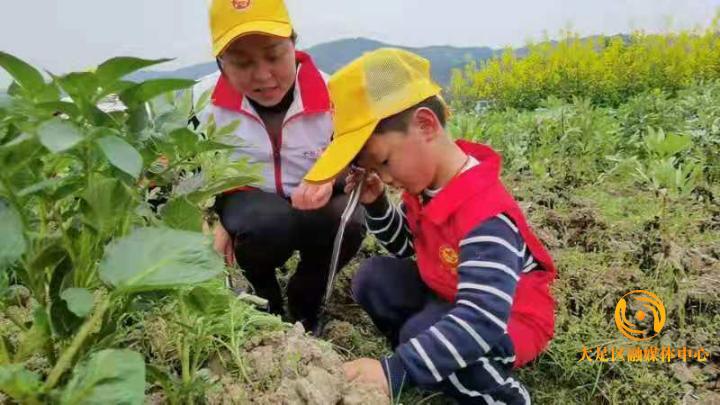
column 266, row 230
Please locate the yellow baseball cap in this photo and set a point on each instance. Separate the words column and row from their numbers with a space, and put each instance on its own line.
column 230, row 19
column 375, row 86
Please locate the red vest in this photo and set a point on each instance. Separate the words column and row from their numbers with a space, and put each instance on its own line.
column 464, row 203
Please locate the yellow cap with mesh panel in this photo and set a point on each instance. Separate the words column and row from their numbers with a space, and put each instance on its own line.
column 230, row 19
column 375, row 86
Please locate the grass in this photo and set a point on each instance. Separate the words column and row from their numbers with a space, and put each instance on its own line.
column 606, row 240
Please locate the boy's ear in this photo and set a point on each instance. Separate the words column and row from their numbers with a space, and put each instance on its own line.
column 425, row 121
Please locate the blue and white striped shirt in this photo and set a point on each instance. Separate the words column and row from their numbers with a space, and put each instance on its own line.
column 492, row 257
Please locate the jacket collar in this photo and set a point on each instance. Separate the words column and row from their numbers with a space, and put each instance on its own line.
column 311, row 93
column 477, row 180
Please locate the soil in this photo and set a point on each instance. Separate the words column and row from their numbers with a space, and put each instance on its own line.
column 289, row 367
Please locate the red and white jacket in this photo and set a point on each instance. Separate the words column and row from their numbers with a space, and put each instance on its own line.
column 306, row 130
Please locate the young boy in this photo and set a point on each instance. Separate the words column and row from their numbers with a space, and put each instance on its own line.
column 475, row 301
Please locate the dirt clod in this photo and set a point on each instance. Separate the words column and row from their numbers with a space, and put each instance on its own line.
column 291, row 368
column 339, row 333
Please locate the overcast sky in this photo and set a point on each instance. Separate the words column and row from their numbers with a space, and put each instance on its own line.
column 63, row 35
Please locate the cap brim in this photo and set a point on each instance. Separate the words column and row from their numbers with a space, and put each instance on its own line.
column 275, row 28
column 338, row 155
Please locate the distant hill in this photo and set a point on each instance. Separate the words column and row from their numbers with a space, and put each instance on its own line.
column 190, row 72
column 331, row 56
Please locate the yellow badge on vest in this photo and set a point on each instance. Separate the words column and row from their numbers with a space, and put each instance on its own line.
column 449, row 257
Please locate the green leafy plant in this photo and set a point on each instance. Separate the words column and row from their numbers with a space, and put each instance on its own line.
column 663, row 169
column 98, row 207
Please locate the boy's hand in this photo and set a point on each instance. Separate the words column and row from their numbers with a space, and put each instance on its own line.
column 223, row 244
column 373, row 187
column 366, row 371
column 310, row 196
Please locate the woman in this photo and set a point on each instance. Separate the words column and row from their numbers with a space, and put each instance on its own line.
column 282, row 102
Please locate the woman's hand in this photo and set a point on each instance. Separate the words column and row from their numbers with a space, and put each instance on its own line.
column 373, row 187
column 223, row 244
column 312, row 196
column 366, row 371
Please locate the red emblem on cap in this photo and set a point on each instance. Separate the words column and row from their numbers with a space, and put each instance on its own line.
column 241, row 4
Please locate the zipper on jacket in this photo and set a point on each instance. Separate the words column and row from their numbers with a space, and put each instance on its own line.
column 276, row 144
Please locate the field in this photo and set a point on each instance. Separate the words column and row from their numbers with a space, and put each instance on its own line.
column 109, row 291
